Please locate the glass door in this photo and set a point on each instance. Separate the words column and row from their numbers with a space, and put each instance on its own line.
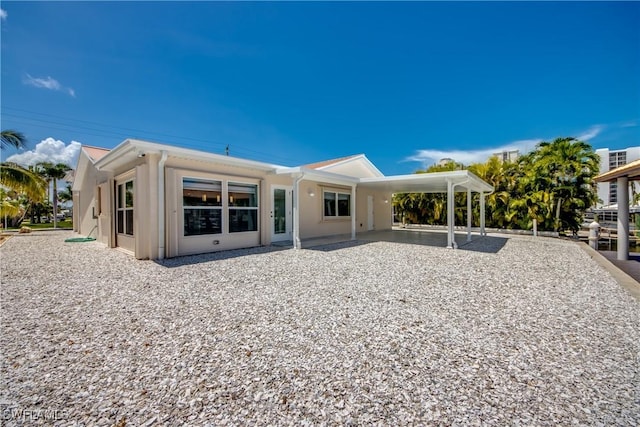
column 281, row 211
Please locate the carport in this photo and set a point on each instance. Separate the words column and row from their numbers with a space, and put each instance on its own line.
column 622, row 176
column 439, row 182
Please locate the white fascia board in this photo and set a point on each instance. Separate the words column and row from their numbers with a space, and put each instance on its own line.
column 117, row 153
column 133, row 147
column 437, row 180
column 191, row 154
column 318, row 175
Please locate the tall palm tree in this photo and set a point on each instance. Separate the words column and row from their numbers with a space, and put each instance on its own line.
column 570, row 165
column 12, row 138
column 53, row 172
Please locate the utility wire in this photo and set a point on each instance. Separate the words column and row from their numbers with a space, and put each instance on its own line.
column 125, row 132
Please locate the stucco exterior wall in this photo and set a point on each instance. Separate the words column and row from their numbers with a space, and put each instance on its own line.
column 313, row 223
column 85, row 219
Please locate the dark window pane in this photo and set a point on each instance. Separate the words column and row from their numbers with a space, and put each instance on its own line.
column 120, row 222
column 120, row 195
column 243, row 195
column 329, row 204
column 129, row 194
column 344, row 202
column 202, row 221
column 243, row 220
column 129, row 222
column 199, row 192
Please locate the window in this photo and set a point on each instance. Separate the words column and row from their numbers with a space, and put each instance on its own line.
column 617, row 159
column 202, row 206
column 243, row 207
column 337, row 204
column 613, row 192
column 124, row 208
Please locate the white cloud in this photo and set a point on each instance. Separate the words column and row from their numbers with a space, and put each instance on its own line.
column 49, row 150
column 429, row 157
column 630, row 124
column 590, row 133
column 3, row 14
column 48, row 83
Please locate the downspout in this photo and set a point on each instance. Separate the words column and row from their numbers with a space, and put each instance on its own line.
column 353, row 212
column 296, row 211
column 161, row 205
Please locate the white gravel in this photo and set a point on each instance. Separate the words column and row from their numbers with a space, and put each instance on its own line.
column 374, row 333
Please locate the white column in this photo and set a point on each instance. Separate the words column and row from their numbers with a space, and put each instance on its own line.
column 469, row 215
column 353, row 212
column 296, row 213
column 451, row 221
column 623, row 218
column 482, row 231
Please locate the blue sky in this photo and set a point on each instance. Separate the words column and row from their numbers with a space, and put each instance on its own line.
column 295, row 83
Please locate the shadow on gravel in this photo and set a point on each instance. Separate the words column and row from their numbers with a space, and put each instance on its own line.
column 328, row 247
column 486, row 244
column 217, row 256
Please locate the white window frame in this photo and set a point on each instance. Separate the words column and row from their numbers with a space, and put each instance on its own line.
column 220, row 208
column 229, row 206
column 337, row 194
column 121, row 206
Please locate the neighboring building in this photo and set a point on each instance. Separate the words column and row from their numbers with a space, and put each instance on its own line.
column 508, row 156
column 611, row 159
column 155, row 201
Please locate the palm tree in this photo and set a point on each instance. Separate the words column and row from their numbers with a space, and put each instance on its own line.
column 12, row 138
column 54, row 172
column 15, row 177
column 570, row 165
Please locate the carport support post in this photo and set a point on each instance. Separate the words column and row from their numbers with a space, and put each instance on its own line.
column 451, row 240
column 482, row 232
column 623, row 218
column 469, row 214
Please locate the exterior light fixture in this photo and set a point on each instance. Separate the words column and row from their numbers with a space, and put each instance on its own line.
column 311, row 193
column 386, row 200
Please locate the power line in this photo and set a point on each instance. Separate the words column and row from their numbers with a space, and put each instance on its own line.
column 105, row 130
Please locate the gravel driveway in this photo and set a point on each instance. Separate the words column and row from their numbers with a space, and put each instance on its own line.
column 375, row 333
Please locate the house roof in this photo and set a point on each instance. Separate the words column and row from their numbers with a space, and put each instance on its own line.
column 320, row 165
column 95, row 153
column 630, row 170
column 130, row 149
column 437, row 182
column 364, row 166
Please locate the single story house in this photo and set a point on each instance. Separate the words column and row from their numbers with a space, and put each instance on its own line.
column 155, row 200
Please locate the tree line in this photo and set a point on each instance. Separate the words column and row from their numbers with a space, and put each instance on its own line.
column 553, row 184
column 25, row 191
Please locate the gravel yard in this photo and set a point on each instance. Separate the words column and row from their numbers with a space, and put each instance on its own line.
column 375, row 333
